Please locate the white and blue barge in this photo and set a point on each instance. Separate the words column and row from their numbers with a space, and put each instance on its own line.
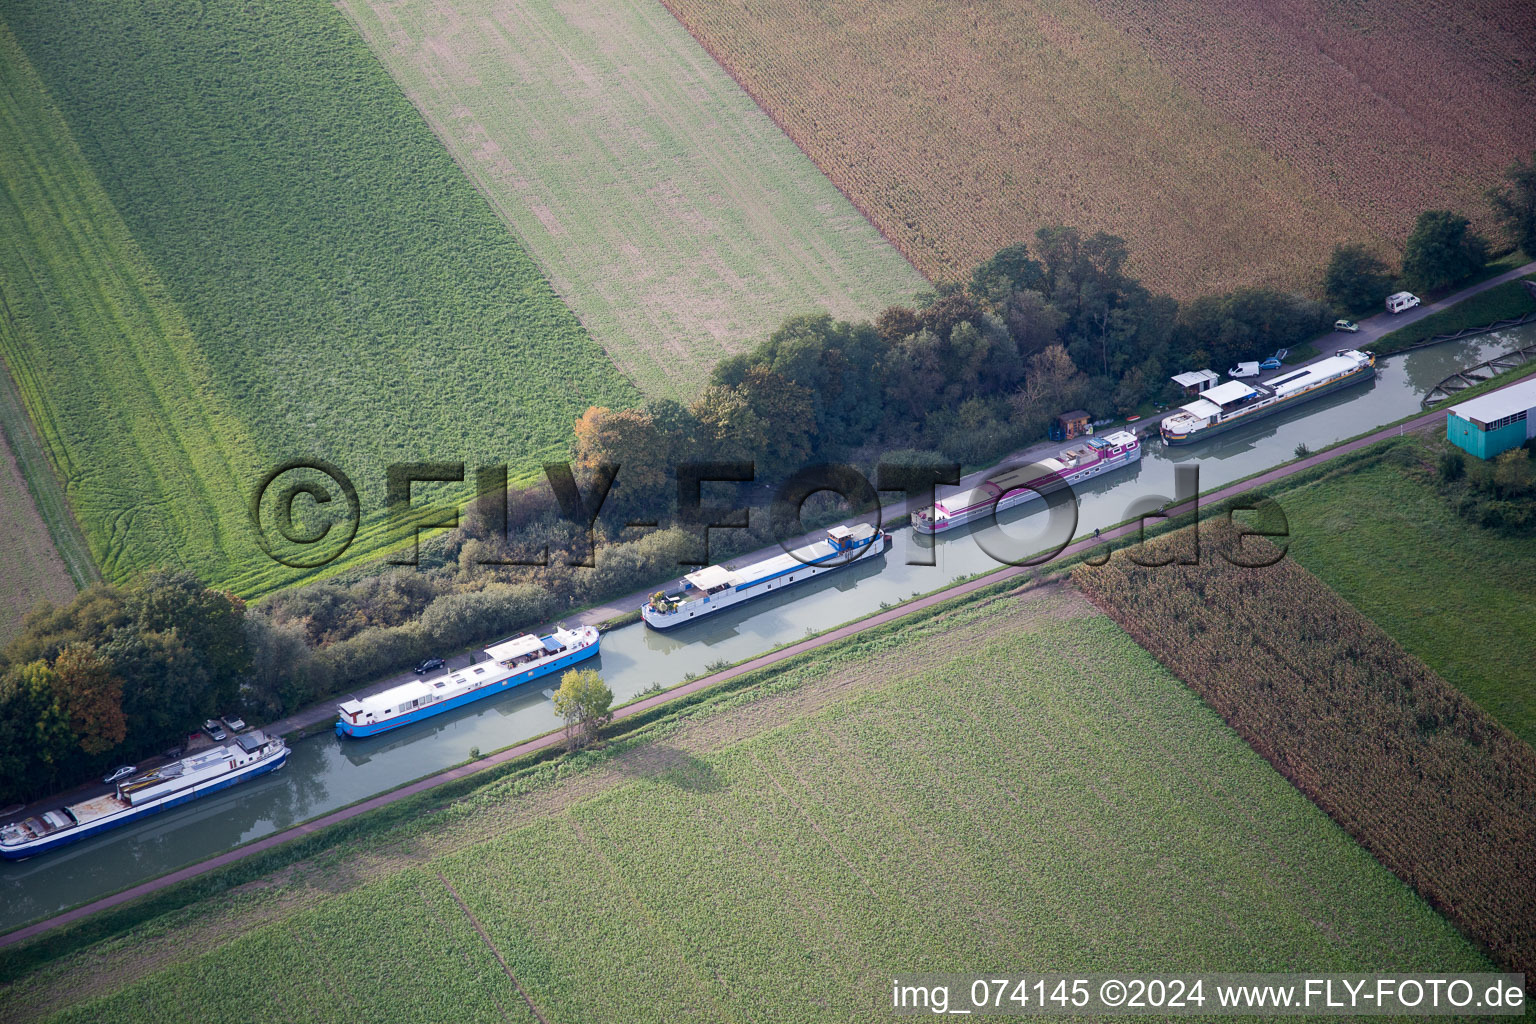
column 716, row 588
column 252, row 754
column 508, row 664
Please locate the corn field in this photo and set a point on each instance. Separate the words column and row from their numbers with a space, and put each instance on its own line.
column 1233, row 160
column 1437, row 790
column 1389, row 109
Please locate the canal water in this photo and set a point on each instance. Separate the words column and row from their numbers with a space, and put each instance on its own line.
column 325, row 773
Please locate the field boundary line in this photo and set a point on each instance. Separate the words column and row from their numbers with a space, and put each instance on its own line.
column 43, row 483
column 771, row 658
column 485, row 937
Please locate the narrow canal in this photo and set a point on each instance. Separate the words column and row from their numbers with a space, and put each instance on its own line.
column 324, row 773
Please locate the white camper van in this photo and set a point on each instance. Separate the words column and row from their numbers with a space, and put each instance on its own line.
column 1399, row 301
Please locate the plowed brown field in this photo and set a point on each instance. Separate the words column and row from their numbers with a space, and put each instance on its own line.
column 1231, row 143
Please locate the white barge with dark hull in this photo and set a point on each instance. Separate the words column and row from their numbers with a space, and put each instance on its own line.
column 717, row 588
column 1226, row 406
column 1071, row 465
column 138, row 796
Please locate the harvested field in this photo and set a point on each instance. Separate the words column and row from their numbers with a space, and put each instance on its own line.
column 672, row 214
column 973, row 787
column 30, row 569
column 1426, row 780
column 1386, row 109
column 1232, row 158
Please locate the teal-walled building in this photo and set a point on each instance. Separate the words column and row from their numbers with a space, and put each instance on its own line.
column 1494, row 423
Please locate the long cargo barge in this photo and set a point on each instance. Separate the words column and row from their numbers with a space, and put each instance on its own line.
column 1090, row 458
column 250, row 755
column 509, row 664
column 717, row 588
column 1234, row 403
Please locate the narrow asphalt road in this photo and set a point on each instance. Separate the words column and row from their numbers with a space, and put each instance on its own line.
column 772, row 658
column 1374, row 328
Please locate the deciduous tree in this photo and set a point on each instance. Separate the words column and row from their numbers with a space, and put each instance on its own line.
column 1514, row 202
column 586, row 704
column 626, row 438
column 90, row 697
column 1442, row 250
column 1356, row 280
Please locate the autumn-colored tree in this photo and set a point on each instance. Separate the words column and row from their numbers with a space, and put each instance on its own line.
column 1053, row 380
column 586, row 704
column 628, row 439
column 896, row 323
column 90, row 697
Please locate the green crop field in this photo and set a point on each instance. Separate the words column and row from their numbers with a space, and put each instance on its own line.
column 1010, row 781
column 672, row 214
column 235, row 243
column 1456, row 595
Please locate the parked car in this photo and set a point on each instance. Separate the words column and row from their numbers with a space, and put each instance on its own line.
column 1270, row 364
column 120, row 773
column 1397, row 302
column 1346, row 325
column 1242, row 370
column 234, row 724
column 214, row 730
column 430, row 665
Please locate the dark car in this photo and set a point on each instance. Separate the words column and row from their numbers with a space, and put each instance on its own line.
column 215, row 730
column 430, row 665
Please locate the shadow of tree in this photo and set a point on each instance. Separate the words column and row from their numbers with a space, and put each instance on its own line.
column 662, row 763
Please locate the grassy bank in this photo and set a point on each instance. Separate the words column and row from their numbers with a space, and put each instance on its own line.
column 764, row 853
column 1503, row 302
column 1455, row 594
